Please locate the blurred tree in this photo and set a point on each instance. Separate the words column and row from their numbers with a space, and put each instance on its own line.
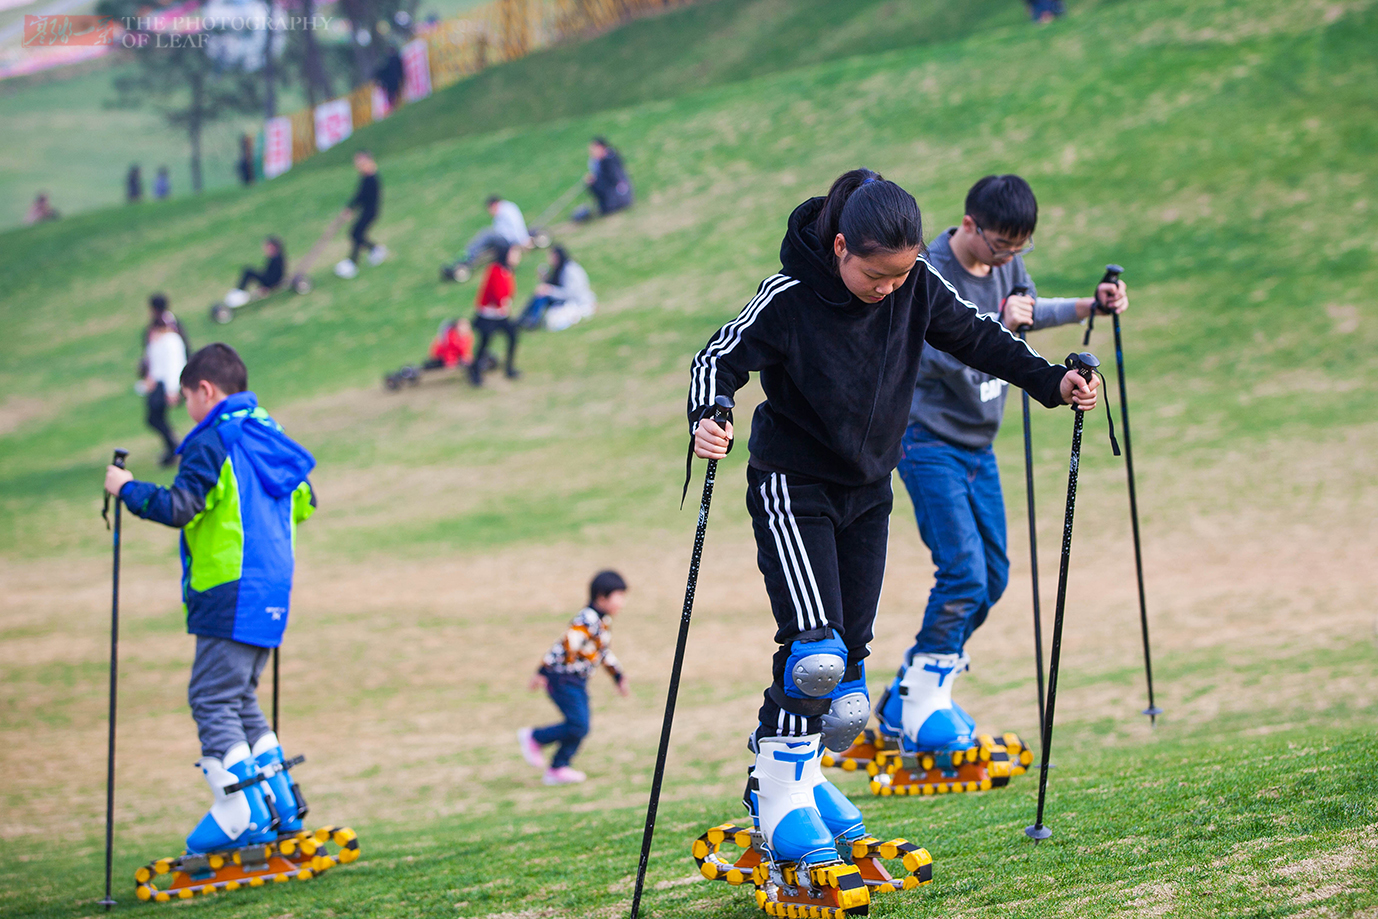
column 177, row 73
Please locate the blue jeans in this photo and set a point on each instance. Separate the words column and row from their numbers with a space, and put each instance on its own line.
column 961, row 516
column 571, row 697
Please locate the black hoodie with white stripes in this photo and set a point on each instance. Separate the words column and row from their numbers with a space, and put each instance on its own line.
column 838, row 373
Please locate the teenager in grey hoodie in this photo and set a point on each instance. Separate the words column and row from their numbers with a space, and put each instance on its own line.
column 947, row 462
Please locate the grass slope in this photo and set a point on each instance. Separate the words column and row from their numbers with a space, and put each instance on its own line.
column 1219, row 151
column 1257, row 827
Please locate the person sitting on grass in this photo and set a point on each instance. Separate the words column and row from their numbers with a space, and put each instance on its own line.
column 240, row 492
column 565, row 296
column 453, row 346
column 507, row 229
column 607, row 181
column 494, row 313
column 274, row 270
column 564, row 674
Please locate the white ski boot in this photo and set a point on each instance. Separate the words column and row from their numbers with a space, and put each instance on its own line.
column 377, row 255
column 345, row 268
column 783, row 800
column 236, row 298
column 932, row 721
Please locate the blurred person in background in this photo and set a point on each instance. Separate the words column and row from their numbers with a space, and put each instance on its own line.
column 41, row 210
column 607, row 181
column 245, row 166
column 563, row 298
column 133, row 185
column 493, row 312
column 1044, row 11
column 162, row 184
column 165, row 355
column 365, row 206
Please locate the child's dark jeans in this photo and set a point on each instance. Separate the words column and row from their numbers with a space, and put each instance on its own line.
column 571, row 696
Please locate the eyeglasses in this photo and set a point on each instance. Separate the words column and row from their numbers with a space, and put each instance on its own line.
column 1003, row 251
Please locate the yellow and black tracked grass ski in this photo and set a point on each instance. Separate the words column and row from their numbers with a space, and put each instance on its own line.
column 989, row 764
column 834, row 890
column 297, row 856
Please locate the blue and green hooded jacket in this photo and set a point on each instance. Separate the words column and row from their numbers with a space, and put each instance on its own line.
column 239, row 494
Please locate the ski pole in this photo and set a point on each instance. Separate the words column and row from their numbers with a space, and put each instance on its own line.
column 275, row 689
column 1112, row 274
column 559, row 204
column 721, row 406
column 109, row 901
column 1033, row 529
column 1086, row 365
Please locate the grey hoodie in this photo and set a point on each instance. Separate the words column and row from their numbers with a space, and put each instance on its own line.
column 959, row 404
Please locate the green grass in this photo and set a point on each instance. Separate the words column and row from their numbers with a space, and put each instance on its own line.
column 1221, row 152
column 1191, row 826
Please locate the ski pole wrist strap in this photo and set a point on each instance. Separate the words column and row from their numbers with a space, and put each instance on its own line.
column 706, row 411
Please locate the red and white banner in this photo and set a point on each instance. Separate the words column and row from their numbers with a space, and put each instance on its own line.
column 277, row 147
column 380, row 106
column 334, row 123
column 416, row 71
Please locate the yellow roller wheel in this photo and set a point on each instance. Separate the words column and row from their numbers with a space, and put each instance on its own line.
column 322, row 834
column 256, row 882
column 162, row 866
column 162, row 896
column 849, row 765
column 287, row 846
column 281, row 878
column 309, row 845
column 143, row 893
column 304, row 874
column 217, row 862
column 348, row 855
column 186, row 893
column 342, row 837
column 143, row 875
column 232, row 885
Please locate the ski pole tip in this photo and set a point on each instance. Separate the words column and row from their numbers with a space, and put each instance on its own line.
column 1038, row 832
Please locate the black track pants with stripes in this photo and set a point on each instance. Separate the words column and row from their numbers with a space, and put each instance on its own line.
column 821, row 547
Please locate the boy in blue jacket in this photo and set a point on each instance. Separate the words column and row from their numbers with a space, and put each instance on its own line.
column 240, row 491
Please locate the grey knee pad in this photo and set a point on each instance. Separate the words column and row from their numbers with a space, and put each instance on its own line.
column 845, row 720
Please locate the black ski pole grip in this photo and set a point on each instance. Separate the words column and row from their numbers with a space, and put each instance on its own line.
column 1087, row 365
column 1111, row 276
column 120, row 456
column 1019, row 290
column 1084, row 363
column 722, row 407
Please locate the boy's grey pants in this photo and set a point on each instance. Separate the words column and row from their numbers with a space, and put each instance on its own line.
column 223, row 694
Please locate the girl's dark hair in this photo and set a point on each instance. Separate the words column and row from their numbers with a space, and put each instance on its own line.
column 872, row 214
column 157, row 303
column 500, row 255
column 604, row 583
column 1003, row 204
column 561, row 259
column 275, row 242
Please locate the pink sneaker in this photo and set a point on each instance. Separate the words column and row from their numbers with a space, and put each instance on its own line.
column 565, row 775
column 531, row 751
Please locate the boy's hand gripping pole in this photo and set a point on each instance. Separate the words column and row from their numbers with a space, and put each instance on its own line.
column 108, row 902
column 1021, row 290
column 1112, row 274
column 722, row 405
column 119, row 459
column 1086, row 365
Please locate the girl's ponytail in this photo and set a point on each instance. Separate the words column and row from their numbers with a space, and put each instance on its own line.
column 872, row 214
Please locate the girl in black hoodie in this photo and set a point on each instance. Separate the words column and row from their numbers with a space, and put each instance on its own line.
column 836, row 337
